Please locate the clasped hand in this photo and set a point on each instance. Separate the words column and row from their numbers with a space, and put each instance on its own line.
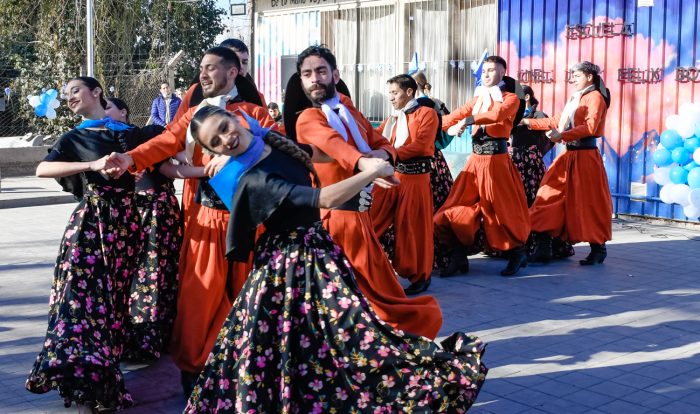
column 383, row 170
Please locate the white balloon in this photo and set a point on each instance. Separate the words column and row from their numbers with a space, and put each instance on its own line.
column 692, row 212
column 672, row 121
column 689, row 109
column 686, row 127
column 54, row 103
column 50, row 113
column 679, row 194
column 694, row 197
column 665, row 193
column 696, row 155
column 34, row 100
column 662, row 175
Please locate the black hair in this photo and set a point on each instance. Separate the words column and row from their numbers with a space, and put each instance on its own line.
column 92, row 83
column 226, row 54
column 528, row 91
column 497, row 59
column 164, row 83
column 320, row 51
column 273, row 139
column 273, row 105
column 404, row 82
column 121, row 105
column 236, row 44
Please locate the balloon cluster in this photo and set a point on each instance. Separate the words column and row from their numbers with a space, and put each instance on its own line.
column 677, row 160
column 45, row 104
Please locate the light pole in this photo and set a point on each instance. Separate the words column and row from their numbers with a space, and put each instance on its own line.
column 90, row 37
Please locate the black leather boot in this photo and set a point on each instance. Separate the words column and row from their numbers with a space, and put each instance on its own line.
column 418, row 287
column 517, row 259
column 543, row 249
column 459, row 262
column 597, row 255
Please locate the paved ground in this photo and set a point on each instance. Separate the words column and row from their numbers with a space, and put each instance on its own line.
column 619, row 338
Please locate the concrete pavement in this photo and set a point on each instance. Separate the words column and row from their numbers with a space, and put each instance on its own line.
column 617, row 338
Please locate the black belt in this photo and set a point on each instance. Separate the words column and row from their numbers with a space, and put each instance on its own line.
column 489, row 146
column 419, row 165
column 587, row 143
column 360, row 202
column 206, row 196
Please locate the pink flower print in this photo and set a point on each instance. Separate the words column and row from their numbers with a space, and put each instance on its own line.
column 223, row 383
column 322, row 351
column 303, row 370
column 341, row 394
column 134, row 227
column 316, row 385
column 317, row 408
column 79, row 372
column 95, row 377
column 344, row 302
column 260, row 361
column 388, row 381
column 82, row 284
column 90, row 234
column 343, row 335
column 359, row 377
column 252, row 397
column 109, row 237
column 77, row 328
column 90, row 259
column 277, row 298
column 287, row 326
column 65, row 265
column 383, row 351
column 263, row 326
column 305, row 341
column 363, row 400
column 304, row 308
column 74, row 304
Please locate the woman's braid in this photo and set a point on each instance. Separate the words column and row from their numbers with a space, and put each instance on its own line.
column 288, row 146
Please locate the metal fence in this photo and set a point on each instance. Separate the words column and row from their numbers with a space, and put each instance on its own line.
column 137, row 89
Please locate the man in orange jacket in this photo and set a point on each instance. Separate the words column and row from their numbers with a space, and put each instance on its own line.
column 489, row 190
column 409, row 207
column 332, row 124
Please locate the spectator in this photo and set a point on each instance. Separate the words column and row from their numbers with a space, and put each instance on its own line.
column 164, row 106
column 179, row 93
column 274, row 110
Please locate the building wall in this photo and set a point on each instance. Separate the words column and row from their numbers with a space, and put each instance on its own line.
column 533, row 36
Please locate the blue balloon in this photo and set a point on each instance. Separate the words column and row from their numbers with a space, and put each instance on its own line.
column 662, row 157
column 678, row 175
column 680, row 155
column 691, row 144
column 694, row 178
column 671, row 139
column 697, row 130
column 40, row 110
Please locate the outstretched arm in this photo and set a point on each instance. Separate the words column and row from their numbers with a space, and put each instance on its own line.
column 57, row 169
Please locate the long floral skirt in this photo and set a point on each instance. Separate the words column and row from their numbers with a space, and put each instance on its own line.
column 441, row 183
column 301, row 338
column 153, row 298
column 89, row 303
column 528, row 161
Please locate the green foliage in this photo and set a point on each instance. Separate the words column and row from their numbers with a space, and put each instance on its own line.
column 43, row 44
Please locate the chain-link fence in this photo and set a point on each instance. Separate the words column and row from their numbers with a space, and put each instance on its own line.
column 137, row 89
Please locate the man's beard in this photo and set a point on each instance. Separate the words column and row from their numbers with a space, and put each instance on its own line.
column 329, row 92
column 215, row 92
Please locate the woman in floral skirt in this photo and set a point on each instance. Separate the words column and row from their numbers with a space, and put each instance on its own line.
column 301, row 337
column 153, row 298
column 88, row 305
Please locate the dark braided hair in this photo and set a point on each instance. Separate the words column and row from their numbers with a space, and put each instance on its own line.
column 272, row 138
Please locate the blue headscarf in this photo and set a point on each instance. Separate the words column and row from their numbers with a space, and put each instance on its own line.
column 225, row 182
column 106, row 122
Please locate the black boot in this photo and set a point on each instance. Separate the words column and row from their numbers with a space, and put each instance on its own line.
column 187, row 380
column 517, row 259
column 597, row 255
column 418, row 287
column 543, row 249
column 459, row 262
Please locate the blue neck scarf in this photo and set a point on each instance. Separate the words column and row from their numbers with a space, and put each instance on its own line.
column 106, row 122
column 225, row 183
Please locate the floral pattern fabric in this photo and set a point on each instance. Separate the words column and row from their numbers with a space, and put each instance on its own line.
column 301, row 338
column 153, row 299
column 88, row 304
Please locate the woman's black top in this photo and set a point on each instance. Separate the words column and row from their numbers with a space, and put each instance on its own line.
column 524, row 137
column 275, row 192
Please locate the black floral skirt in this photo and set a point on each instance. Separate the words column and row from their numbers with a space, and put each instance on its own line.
column 301, row 338
column 89, row 300
column 153, row 299
column 441, row 183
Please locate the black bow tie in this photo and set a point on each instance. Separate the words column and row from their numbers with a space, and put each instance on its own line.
column 336, row 110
